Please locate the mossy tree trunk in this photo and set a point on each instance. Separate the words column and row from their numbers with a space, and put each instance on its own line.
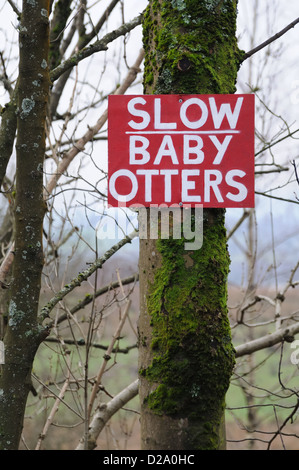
column 185, row 350
column 23, row 332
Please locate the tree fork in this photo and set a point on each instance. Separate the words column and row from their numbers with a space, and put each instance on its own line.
column 186, row 357
column 24, row 333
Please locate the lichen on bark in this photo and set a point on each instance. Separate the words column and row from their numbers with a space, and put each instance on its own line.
column 192, row 46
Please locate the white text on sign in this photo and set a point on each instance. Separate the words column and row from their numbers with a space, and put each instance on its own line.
column 178, row 149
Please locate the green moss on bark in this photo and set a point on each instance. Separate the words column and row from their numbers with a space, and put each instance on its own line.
column 61, row 14
column 193, row 357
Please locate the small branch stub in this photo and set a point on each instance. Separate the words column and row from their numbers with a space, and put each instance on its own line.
column 184, row 64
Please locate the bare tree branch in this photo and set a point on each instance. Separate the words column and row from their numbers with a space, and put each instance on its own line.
column 61, row 13
column 295, row 169
column 5, row 267
column 105, row 412
column 244, row 216
column 14, row 7
column 82, row 342
column 92, row 131
column 100, row 45
column 7, row 133
column 270, row 145
column 53, row 412
column 270, row 40
column 107, row 357
column 283, row 334
column 90, row 297
column 83, row 41
column 276, row 197
column 84, row 275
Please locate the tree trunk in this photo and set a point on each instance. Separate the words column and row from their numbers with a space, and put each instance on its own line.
column 186, row 356
column 23, row 333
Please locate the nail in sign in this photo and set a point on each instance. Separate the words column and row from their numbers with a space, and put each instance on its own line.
column 181, row 149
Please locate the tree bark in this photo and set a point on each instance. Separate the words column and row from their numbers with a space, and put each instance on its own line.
column 24, row 333
column 186, row 356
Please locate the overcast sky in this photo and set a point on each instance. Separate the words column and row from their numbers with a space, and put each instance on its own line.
column 281, row 76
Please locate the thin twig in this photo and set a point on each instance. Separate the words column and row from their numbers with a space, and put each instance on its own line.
column 276, row 197
column 53, row 412
column 82, row 342
column 103, row 290
column 237, row 225
column 5, row 267
column 295, row 168
column 15, row 8
column 270, row 145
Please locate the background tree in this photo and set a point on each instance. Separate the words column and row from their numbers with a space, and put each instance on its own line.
column 88, row 301
column 262, row 301
column 25, row 323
